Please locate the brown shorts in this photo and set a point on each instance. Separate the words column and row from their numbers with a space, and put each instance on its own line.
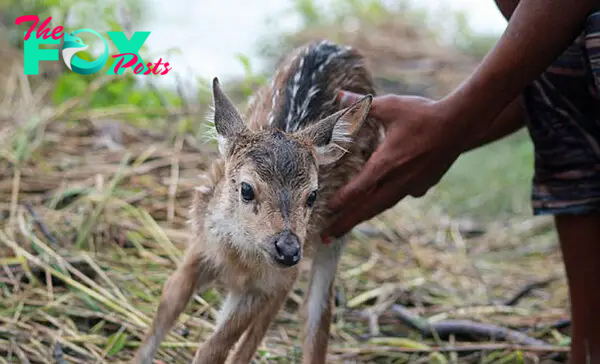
column 563, row 108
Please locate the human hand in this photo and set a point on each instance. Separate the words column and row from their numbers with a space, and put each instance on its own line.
column 425, row 137
column 419, row 147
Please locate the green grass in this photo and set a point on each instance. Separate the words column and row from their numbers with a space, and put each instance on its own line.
column 490, row 182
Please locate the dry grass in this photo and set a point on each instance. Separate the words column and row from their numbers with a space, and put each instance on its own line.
column 94, row 220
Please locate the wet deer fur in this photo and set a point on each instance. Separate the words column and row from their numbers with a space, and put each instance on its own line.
column 262, row 205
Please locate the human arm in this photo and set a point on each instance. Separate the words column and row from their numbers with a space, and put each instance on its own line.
column 425, row 137
column 537, row 33
column 510, row 120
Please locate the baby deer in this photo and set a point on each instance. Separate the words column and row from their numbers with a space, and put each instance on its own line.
column 263, row 204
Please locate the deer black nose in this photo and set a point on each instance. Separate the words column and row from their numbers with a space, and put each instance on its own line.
column 288, row 248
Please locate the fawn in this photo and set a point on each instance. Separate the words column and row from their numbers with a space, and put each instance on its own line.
column 263, row 203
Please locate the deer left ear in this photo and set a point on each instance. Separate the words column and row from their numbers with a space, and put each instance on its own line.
column 228, row 122
column 333, row 135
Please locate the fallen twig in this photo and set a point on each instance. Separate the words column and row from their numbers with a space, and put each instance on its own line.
column 527, row 289
column 40, row 224
column 443, row 329
column 58, row 354
column 16, row 268
column 558, row 325
column 456, row 348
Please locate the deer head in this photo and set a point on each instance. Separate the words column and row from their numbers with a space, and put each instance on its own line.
column 271, row 177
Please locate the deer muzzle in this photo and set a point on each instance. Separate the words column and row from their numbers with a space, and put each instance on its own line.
column 287, row 248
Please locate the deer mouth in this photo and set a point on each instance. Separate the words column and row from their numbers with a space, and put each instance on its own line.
column 285, row 249
column 286, row 261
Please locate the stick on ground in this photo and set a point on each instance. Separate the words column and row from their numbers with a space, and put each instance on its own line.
column 444, row 329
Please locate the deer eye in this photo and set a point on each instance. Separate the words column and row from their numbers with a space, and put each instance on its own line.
column 247, row 192
column 311, row 199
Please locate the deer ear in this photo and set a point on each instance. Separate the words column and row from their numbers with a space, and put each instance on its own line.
column 226, row 119
column 333, row 135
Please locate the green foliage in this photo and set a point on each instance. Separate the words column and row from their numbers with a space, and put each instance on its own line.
column 367, row 10
column 489, row 182
column 468, row 41
column 251, row 79
column 116, row 343
column 122, row 90
column 338, row 11
column 308, row 12
column 12, row 9
column 204, row 90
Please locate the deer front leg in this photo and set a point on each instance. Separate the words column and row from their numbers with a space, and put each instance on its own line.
column 248, row 344
column 194, row 273
column 236, row 315
column 318, row 303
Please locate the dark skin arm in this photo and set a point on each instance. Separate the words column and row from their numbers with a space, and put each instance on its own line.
column 511, row 119
column 425, row 137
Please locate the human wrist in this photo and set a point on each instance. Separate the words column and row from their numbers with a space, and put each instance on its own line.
column 461, row 119
column 510, row 120
column 479, row 100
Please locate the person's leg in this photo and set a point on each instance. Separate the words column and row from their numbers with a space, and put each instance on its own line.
column 564, row 123
column 580, row 242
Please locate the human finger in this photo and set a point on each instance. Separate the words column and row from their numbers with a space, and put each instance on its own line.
column 367, row 179
column 377, row 202
column 382, row 107
column 347, row 98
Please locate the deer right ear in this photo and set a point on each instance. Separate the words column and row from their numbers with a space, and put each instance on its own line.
column 226, row 118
